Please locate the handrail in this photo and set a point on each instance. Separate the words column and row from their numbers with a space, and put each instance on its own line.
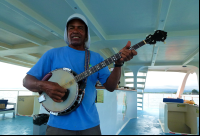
column 190, row 96
column 183, row 96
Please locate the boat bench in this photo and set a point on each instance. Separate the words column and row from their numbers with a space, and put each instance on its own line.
column 7, row 110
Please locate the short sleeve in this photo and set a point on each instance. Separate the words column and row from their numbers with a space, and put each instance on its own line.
column 42, row 67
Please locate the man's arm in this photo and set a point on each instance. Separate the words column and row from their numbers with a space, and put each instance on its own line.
column 52, row 89
column 114, row 77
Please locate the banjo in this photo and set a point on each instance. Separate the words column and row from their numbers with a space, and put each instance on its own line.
column 75, row 84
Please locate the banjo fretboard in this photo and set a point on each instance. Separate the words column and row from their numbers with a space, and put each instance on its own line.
column 105, row 63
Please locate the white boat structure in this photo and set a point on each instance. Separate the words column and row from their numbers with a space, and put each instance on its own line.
column 29, row 28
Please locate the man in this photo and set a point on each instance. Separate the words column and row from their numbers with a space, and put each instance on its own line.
column 85, row 119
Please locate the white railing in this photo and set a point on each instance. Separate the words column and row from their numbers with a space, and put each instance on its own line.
column 152, row 100
column 11, row 95
column 191, row 97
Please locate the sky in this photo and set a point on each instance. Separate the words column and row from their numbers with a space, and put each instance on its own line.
column 11, row 77
column 170, row 80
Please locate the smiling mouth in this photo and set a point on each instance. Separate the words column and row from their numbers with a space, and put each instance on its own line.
column 75, row 37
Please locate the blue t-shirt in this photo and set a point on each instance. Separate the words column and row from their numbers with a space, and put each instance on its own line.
column 86, row 115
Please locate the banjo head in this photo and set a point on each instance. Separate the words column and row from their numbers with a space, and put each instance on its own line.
column 61, row 76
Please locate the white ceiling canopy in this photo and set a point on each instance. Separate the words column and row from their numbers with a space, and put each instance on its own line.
column 28, row 28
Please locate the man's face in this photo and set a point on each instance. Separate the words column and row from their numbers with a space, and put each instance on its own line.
column 76, row 32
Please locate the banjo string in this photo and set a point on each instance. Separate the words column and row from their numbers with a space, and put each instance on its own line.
column 87, row 61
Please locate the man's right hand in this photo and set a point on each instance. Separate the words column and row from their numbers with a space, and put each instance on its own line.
column 52, row 89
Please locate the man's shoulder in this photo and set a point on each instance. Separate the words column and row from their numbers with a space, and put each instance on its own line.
column 54, row 50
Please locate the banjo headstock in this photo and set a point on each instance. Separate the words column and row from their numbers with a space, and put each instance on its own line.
column 159, row 35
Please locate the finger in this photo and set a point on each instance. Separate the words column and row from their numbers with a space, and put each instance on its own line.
column 128, row 54
column 59, row 94
column 128, row 45
column 62, row 90
column 59, row 88
column 134, row 52
column 124, row 57
column 57, row 97
column 56, row 100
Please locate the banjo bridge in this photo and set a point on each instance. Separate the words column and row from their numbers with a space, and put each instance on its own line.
column 68, row 84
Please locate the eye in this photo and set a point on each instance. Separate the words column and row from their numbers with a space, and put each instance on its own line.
column 70, row 27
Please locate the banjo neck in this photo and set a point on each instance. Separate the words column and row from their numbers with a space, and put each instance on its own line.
column 105, row 63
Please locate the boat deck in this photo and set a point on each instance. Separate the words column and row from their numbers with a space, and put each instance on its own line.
column 146, row 123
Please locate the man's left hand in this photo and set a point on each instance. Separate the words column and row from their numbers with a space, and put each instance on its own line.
column 126, row 54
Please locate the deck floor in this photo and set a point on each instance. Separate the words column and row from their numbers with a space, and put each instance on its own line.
column 145, row 124
column 20, row 125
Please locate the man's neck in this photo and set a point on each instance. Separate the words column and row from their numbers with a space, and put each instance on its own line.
column 81, row 48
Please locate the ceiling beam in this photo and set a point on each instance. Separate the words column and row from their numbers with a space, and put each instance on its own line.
column 33, row 56
column 127, row 36
column 95, row 39
column 23, row 35
column 183, row 33
column 21, row 58
column 115, row 50
column 5, row 46
column 164, row 6
column 154, row 56
column 191, row 57
column 107, row 52
column 24, row 45
column 79, row 7
column 143, row 35
column 36, row 55
column 16, row 62
column 27, row 12
column 29, row 50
